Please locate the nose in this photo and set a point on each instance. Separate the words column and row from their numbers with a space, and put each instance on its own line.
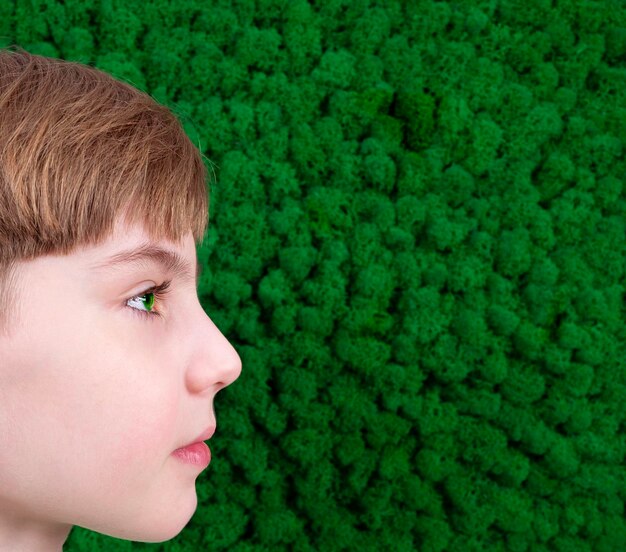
column 216, row 363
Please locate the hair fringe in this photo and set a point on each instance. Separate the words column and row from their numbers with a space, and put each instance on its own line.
column 78, row 149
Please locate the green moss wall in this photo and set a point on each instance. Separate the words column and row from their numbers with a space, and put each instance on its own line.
column 417, row 247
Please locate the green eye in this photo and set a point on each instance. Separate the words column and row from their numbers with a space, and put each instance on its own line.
column 147, row 299
column 150, row 303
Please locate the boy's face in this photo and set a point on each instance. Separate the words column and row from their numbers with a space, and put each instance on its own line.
column 95, row 397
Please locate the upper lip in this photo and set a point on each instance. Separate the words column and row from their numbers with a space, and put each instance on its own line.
column 204, row 436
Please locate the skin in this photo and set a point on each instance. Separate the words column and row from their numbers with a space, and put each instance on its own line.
column 94, row 399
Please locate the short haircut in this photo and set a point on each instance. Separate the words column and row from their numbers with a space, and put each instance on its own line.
column 78, row 149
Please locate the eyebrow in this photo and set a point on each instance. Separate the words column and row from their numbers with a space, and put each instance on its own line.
column 148, row 253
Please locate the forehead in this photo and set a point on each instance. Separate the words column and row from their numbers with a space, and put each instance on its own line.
column 131, row 246
column 149, row 253
column 125, row 250
column 125, row 233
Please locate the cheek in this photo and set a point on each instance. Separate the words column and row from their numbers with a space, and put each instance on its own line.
column 151, row 428
column 106, row 391
column 136, row 397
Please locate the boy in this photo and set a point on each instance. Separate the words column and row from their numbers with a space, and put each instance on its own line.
column 108, row 363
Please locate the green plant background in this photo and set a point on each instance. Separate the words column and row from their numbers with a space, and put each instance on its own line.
column 416, row 245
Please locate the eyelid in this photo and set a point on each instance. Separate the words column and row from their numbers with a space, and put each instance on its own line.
column 158, row 288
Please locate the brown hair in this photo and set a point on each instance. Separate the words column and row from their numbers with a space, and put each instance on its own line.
column 78, row 149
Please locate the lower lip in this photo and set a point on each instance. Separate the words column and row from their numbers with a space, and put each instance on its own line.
column 198, row 454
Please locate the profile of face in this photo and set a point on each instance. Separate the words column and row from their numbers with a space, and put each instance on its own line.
column 97, row 391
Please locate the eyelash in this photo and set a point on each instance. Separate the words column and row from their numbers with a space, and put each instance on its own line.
column 159, row 293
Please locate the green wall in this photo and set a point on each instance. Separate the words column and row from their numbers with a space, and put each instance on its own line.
column 416, row 245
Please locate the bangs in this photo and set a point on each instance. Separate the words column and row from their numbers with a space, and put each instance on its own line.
column 79, row 150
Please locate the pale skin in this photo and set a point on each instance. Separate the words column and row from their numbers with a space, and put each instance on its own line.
column 95, row 398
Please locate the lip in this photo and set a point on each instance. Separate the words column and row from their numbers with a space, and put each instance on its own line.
column 204, row 436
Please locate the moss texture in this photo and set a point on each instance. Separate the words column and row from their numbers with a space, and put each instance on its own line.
column 416, row 246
